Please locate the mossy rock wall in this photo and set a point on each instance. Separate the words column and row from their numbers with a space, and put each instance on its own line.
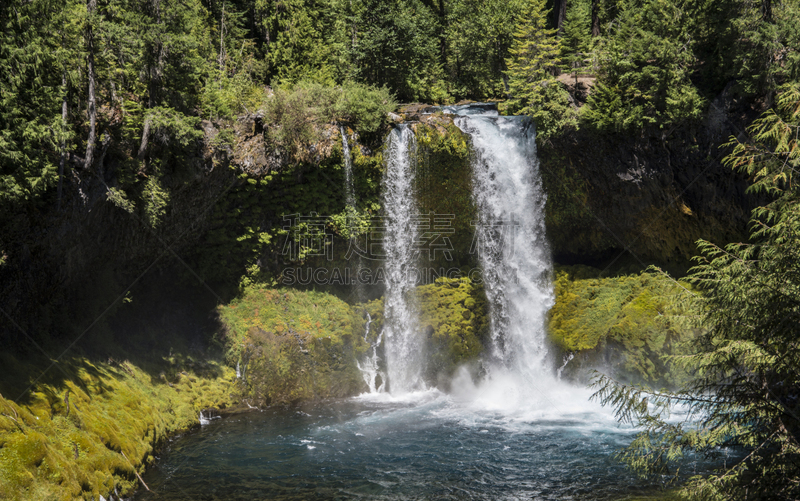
column 453, row 326
column 294, row 345
column 453, row 318
column 623, row 325
column 443, row 184
column 652, row 196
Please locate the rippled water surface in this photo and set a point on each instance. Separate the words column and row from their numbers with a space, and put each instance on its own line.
column 424, row 446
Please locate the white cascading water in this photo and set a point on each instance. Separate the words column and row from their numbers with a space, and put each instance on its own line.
column 369, row 364
column 349, row 190
column 520, row 385
column 510, row 237
column 403, row 360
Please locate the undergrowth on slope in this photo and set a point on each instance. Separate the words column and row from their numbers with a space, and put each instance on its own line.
column 88, row 434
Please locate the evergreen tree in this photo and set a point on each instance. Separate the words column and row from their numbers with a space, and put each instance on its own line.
column 766, row 51
column 396, row 45
column 533, row 61
column 304, row 41
column 576, row 40
column 746, row 386
column 645, row 64
column 479, row 35
column 38, row 50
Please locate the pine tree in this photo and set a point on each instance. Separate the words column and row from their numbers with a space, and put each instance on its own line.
column 766, row 49
column 397, row 46
column 576, row 41
column 645, row 64
column 37, row 46
column 479, row 35
column 532, row 62
column 304, row 40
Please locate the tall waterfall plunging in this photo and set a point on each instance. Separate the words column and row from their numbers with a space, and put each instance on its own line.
column 510, row 243
column 511, row 239
column 349, row 190
column 403, row 364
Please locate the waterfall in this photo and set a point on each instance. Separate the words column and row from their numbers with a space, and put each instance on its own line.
column 510, row 237
column 351, row 212
column 403, row 360
column 369, row 365
column 349, row 190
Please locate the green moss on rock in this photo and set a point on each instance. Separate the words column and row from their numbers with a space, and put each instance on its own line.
column 453, row 317
column 625, row 323
column 444, row 186
column 294, row 345
column 453, row 325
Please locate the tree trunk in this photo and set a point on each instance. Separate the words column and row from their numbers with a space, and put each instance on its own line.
column 145, row 139
column 559, row 15
column 63, row 144
column 91, row 6
column 595, row 18
column 222, row 43
column 766, row 10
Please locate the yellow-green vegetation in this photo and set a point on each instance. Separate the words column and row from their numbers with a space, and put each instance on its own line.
column 294, row 345
column 94, row 428
column 453, row 317
column 627, row 322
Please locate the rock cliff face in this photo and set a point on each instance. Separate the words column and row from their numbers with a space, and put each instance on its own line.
column 652, row 196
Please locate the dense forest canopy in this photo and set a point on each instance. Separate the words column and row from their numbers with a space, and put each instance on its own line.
column 81, row 80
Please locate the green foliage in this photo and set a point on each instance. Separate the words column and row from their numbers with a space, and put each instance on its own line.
column 31, row 69
column 745, row 366
column 772, row 157
column 118, row 414
column 453, row 316
column 363, row 107
column 479, row 35
column 233, row 82
column 305, row 40
column 296, row 114
column 315, row 314
column 576, row 41
column 645, row 64
column 532, row 62
column 172, row 128
column 763, row 45
column 396, row 46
